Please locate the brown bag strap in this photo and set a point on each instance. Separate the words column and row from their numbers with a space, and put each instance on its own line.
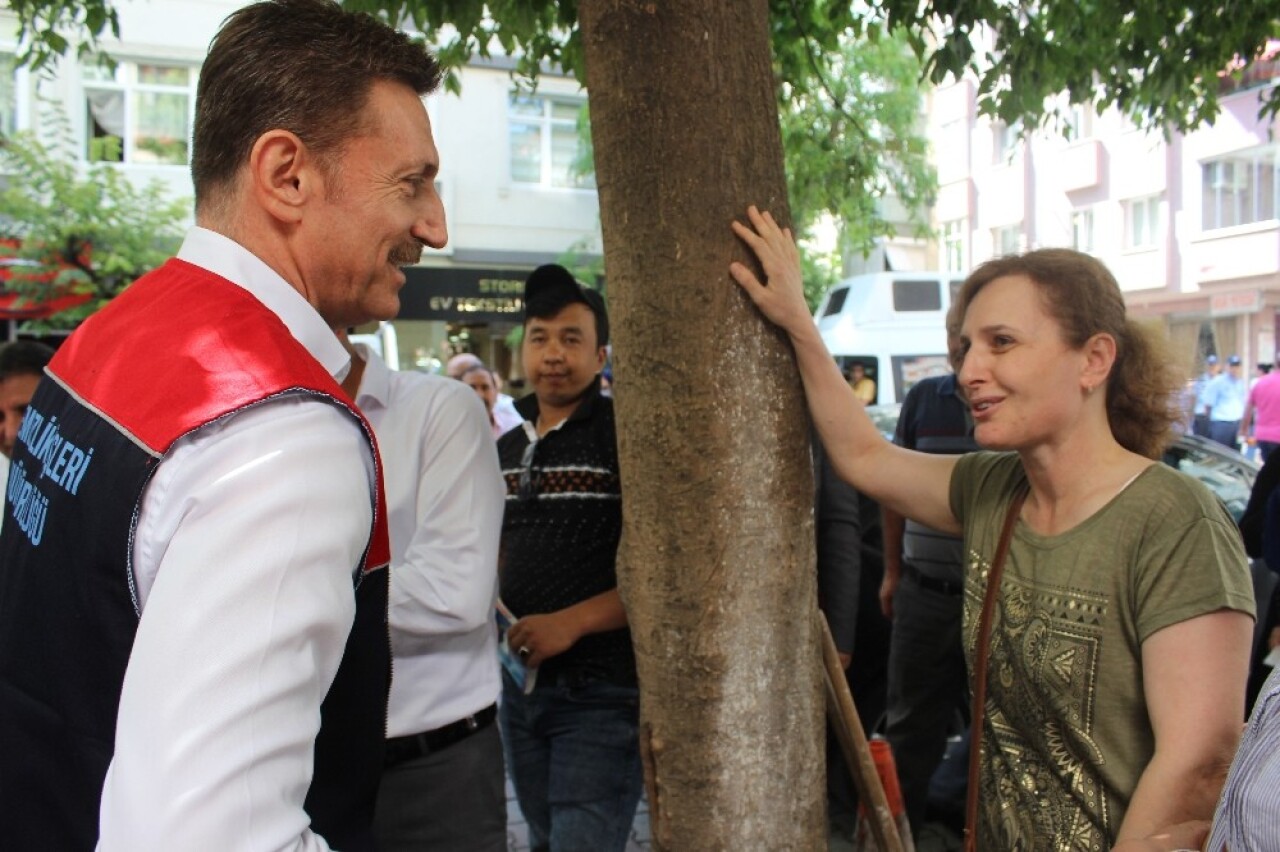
column 980, row 669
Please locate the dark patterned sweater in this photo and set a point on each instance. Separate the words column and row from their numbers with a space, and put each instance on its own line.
column 561, row 529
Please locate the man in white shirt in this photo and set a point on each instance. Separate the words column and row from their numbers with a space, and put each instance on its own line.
column 442, row 787
column 1223, row 403
column 193, row 645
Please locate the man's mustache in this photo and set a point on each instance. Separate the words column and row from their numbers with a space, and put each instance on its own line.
column 406, row 254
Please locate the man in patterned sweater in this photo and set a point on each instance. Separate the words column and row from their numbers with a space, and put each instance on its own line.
column 571, row 740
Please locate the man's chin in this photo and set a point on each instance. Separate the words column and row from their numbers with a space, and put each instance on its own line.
column 558, row 398
column 383, row 309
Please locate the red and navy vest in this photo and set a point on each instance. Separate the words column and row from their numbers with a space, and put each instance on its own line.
column 178, row 350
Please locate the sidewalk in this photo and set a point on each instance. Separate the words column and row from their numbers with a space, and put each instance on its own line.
column 933, row 838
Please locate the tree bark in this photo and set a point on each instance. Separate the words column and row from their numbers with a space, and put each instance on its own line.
column 716, row 566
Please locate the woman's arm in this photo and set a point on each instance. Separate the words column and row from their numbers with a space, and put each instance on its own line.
column 1194, row 676
column 1185, row 837
column 915, row 484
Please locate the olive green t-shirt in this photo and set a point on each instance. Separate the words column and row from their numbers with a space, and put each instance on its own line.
column 1066, row 735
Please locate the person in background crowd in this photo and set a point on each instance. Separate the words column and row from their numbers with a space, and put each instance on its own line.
column 1223, row 403
column 864, row 387
column 443, row 783
column 481, row 380
column 922, row 593
column 193, row 640
column 1119, row 638
column 572, row 740
column 1260, row 532
column 22, row 364
column 504, row 407
column 21, row 368
column 1200, row 420
column 1260, row 423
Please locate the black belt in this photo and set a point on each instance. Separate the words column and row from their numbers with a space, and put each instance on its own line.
column 400, row 749
column 933, row 584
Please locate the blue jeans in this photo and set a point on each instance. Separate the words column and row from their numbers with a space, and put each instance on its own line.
column 573, row 752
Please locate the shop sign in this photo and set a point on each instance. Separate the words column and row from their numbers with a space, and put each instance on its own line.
column 1234, row 304
column 463, row 295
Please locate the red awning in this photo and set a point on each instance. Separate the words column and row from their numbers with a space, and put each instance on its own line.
column 14, row 307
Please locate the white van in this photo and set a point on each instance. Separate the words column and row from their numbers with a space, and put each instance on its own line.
column 893, row 324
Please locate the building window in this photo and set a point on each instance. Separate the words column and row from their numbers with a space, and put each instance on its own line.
column 1142, row 222
column 1006, row 138
column 1079, row 122
column 1082, row 231
column 8, row 92
column 953, row 234
column 145, row 107
column 1241, row 189
column 1007, row 240
column 545, row 145
column 910, row 296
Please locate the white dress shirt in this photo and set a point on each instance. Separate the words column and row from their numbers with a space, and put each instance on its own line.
column 445, row 497
column 246, row 543
column 505, row 416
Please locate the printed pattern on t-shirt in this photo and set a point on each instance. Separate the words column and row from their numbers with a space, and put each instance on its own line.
column 1045, row 643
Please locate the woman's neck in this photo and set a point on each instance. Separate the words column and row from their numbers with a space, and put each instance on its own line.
column 1069, row 484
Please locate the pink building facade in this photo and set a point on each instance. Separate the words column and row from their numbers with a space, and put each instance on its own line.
column 1188, row 223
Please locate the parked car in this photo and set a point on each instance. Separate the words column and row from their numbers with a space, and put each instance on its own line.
column 1227, row 473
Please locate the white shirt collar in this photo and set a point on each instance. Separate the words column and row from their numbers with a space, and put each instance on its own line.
column 375, row 384
column 225, row 257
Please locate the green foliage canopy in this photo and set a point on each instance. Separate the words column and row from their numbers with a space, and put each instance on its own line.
column 845, row 83
column 1156, row 59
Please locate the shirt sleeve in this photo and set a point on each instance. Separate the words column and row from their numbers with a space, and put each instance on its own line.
column 1189, row 570
column 248, row 539
column 445, row 581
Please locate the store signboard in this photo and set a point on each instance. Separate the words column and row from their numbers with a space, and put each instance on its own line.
column 463, row 295
column 1234, row 304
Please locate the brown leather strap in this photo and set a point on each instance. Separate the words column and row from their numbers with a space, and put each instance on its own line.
column 980, row 668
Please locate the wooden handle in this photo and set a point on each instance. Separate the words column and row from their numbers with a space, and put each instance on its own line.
column 853, row 742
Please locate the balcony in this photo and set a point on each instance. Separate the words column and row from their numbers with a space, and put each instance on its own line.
column 1081, row 165
column 1244, row 251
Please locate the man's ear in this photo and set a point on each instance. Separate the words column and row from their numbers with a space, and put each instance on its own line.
column 283, row 175
column 602, row 357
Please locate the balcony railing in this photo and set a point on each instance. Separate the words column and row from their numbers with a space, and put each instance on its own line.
column 1263, row 70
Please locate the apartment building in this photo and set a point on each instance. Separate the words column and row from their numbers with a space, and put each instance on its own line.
column 1188, row 223
column 512, row 200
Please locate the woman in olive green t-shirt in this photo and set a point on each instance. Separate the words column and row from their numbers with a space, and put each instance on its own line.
column 1125, row 617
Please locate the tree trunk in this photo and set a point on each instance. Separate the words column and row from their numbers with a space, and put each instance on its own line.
column 716, row 562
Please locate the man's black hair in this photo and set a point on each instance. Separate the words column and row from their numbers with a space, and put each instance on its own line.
column 23, row 357
column 552, row 287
